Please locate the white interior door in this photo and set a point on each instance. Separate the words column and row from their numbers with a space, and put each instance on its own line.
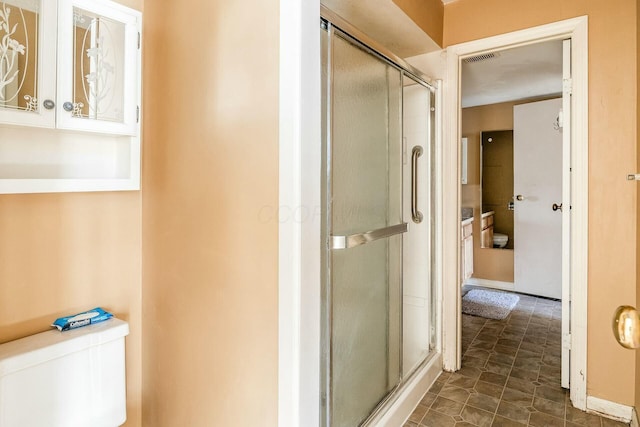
column 537, row 160
column 416, row 241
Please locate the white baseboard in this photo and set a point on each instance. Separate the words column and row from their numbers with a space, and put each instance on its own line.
column 606, row 408
column 634, row 418
column 494, row 284
column 396, row 412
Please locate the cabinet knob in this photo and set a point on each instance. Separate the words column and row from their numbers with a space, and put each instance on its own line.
column 48, row 104
column 68, row 106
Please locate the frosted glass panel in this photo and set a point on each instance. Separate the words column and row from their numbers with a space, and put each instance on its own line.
column 365, row 339
column 325, row 330
column 366, row 135
column 19, row 21
column 416, row 244
column 365, row 194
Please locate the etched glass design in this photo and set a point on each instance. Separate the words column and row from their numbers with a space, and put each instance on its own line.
column 19, row 21
column 98, row 68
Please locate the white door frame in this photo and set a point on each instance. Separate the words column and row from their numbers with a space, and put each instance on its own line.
column 298, row 215
column 576, row 29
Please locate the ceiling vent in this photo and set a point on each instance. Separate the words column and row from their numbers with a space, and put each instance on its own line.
column 483, row 57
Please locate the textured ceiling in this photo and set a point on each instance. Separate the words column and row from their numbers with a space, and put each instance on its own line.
column 520, row 73
column 386, row 23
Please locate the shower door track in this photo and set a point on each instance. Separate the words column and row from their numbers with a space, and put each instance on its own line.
column 373, row 47
column 394, row 395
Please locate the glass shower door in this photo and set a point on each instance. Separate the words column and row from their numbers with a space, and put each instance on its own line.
column 364, row 230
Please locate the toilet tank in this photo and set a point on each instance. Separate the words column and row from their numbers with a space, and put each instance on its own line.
column 65, row 379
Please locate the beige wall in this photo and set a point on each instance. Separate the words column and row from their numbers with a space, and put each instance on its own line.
column 497, row 180
column 210, row 279
column 427, row 14
column 68, row 252
column 65, row 253
column 612, row 152
column 637, row 353
column 488, row 263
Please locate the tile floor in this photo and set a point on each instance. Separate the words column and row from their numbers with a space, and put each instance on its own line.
column 510, row 375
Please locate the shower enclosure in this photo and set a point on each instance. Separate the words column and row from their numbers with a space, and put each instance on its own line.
column 379, row 316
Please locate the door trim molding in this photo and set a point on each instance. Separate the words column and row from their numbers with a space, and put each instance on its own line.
column 576, row 29
column 494, row 284
column 634, row 418
column 609, row 409
column 298, row 215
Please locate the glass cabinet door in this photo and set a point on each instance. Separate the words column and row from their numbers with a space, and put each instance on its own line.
column 27, row 62
column 97, row 68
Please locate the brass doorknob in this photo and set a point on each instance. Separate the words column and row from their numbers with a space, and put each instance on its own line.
column 626, row 326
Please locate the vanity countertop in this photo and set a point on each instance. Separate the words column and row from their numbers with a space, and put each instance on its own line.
column 486, row 214
column 467, row 221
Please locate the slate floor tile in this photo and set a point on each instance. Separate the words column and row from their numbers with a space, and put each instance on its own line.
column 513, row 412
column 476, row 416
column 446, row 406
column 454, row 393
column 499, row 421
column 436, row 419
column 510, row 375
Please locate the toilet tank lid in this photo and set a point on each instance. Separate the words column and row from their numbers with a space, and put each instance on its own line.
column 39, row 348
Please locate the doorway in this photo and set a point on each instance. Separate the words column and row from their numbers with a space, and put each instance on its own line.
column 575, row 279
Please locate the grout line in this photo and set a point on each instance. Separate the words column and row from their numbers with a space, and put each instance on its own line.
column 512, row 364
column 537, row 303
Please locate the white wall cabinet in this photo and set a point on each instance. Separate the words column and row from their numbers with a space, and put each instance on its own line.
column 69, row 96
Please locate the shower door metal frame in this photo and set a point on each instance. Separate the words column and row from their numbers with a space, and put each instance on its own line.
column 330, row 23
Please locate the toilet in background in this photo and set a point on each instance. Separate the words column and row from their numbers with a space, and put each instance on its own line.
column 65, row 379
column 500, row 240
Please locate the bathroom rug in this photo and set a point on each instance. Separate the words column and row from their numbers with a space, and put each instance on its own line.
column 489, row 304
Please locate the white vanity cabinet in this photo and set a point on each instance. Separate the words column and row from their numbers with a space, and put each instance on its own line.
column 69, row 96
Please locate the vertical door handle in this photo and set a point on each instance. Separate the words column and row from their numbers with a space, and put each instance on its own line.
column 416, row 215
